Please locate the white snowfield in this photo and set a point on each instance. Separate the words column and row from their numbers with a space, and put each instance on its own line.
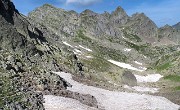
column 85, row 48
column 64, row 42
column 142, row 89
column 148, row 78
column 145, row 89
column 114, row 100
column 128, row 66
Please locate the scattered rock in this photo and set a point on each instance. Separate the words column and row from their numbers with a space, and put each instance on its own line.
column 129, row 78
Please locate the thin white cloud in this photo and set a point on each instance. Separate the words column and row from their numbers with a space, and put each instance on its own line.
column 82, row 2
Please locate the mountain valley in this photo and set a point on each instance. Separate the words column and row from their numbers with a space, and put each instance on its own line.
column 54, row 56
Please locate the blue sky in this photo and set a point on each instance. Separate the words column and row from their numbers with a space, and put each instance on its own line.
column 162, row 12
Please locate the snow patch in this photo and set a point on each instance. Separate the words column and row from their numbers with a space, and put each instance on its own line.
column 64, row 42
column 148, row 78
column 128, row 66
column 145, row 89
column 127, row 50
column 114, row 100
column 144, row 56
column 85, row 48
column 138, row 63
column 142, row 89
column 62, row 103
column 78, row 51
column 89, row 57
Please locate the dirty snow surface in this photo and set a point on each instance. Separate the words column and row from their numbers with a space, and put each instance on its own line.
column 148, row 78
column 114, row 100
column 62, row 103
column 128, row 66
column 142, row 89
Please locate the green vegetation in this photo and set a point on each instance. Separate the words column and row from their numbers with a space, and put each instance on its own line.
column 109, row 53
column 132, row 37
column 98, row 64
column 163, row 66
column 140, row 48
column 174, row 78
column 81, row 37
column 8, row 91
column 177, row 88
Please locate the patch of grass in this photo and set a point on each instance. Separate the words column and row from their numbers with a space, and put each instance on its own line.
column 177, row 88
column 113, row 75
column 98, row 64
column 133, row 37
column 140, row 48
column 174, row 78
column 163, row 66
column 110, row 53
column 81, row 37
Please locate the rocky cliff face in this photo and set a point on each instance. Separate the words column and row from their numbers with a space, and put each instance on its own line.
column 168, row 32
column 113, row 24
column 140, row 25
column 27, row 60
column 177, row 26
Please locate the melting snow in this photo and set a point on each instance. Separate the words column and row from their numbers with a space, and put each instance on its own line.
column 78, row 51
column 89, row 57
column 142, row 89
column 145, row 89
column 138, row 63
column 128, row 66
column 144, row 56
column 67, row 44
column 114, row 100
column 62, row 103
column 127, row 50
column 85, row 48
column 148, row 78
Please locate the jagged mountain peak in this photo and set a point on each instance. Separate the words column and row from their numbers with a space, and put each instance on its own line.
column 166, row 26
column 88, row 12
column 177, row 26
column 139, row 16
column 49, row 7
column 119, row 11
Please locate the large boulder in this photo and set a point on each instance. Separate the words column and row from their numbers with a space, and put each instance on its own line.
column 129, row 79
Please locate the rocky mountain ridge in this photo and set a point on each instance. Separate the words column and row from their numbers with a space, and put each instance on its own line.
column 106, row 24
column 177, row 26
column 32, row 48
